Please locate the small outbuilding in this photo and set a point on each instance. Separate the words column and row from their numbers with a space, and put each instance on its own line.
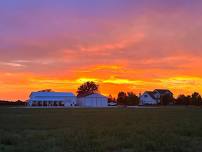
column 52, row 99
column 93, row 100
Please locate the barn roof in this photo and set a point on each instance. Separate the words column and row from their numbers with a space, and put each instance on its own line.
column 96, row 95
column 51, row 94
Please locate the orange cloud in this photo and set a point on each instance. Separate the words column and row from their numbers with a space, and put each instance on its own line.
column 120, row 44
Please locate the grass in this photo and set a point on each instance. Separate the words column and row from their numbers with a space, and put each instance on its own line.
column 101, row 130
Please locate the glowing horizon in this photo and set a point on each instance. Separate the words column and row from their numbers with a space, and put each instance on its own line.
column 123, row 45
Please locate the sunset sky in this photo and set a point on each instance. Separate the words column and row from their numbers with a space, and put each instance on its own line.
column 123, row 45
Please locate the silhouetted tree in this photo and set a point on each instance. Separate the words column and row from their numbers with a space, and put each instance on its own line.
column 122, row 97
column 187, row 100
column 181, row 100
column 128, row 99
column 166, row 99
column 132, row 99
column 12, row 103
column 195, row 99
column 111, row 99
column 87, row 88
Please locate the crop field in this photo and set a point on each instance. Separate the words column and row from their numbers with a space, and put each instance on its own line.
column 168, row 129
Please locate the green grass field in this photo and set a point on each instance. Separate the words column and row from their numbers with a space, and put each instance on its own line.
column 103, row 130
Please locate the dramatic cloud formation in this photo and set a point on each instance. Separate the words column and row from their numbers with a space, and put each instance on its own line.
column 130, row 45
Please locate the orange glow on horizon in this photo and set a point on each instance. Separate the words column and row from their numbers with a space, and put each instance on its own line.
column 24, row 84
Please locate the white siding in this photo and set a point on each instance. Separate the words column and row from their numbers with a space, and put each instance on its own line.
column 49, row 98
column 95, row 100
column 147, row 99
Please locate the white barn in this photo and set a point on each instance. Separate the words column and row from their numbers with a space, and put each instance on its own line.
column 52, row 99
column 94, row 100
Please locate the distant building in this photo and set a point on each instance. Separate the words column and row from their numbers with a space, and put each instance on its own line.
column 94, row 100
column 153, row 97
column 160, row 92
column 49, row 98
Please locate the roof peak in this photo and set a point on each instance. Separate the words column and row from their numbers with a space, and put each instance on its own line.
column 52, row 94
column 162, row 91
column 94, row 94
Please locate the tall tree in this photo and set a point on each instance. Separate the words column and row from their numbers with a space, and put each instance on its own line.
column 166, row 99
column 132, row 99
column 122, row 98
column 195, row 98
column 87, row 88
column 181, row 100
column 128, row 99
column 188, row 100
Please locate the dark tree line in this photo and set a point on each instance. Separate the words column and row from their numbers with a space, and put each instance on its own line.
column 129, row 99
column 166, row 99
column 12, row 103
column 194, row 99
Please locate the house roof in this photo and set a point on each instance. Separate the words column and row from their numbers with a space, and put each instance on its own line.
column 151, row 94
column 163, row 91
column 95, row 95
column 52, row 94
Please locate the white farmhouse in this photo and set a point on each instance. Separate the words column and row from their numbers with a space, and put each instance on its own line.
column 148, row 98
column 153, row 97
column 48, row 99
column 94, row 100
